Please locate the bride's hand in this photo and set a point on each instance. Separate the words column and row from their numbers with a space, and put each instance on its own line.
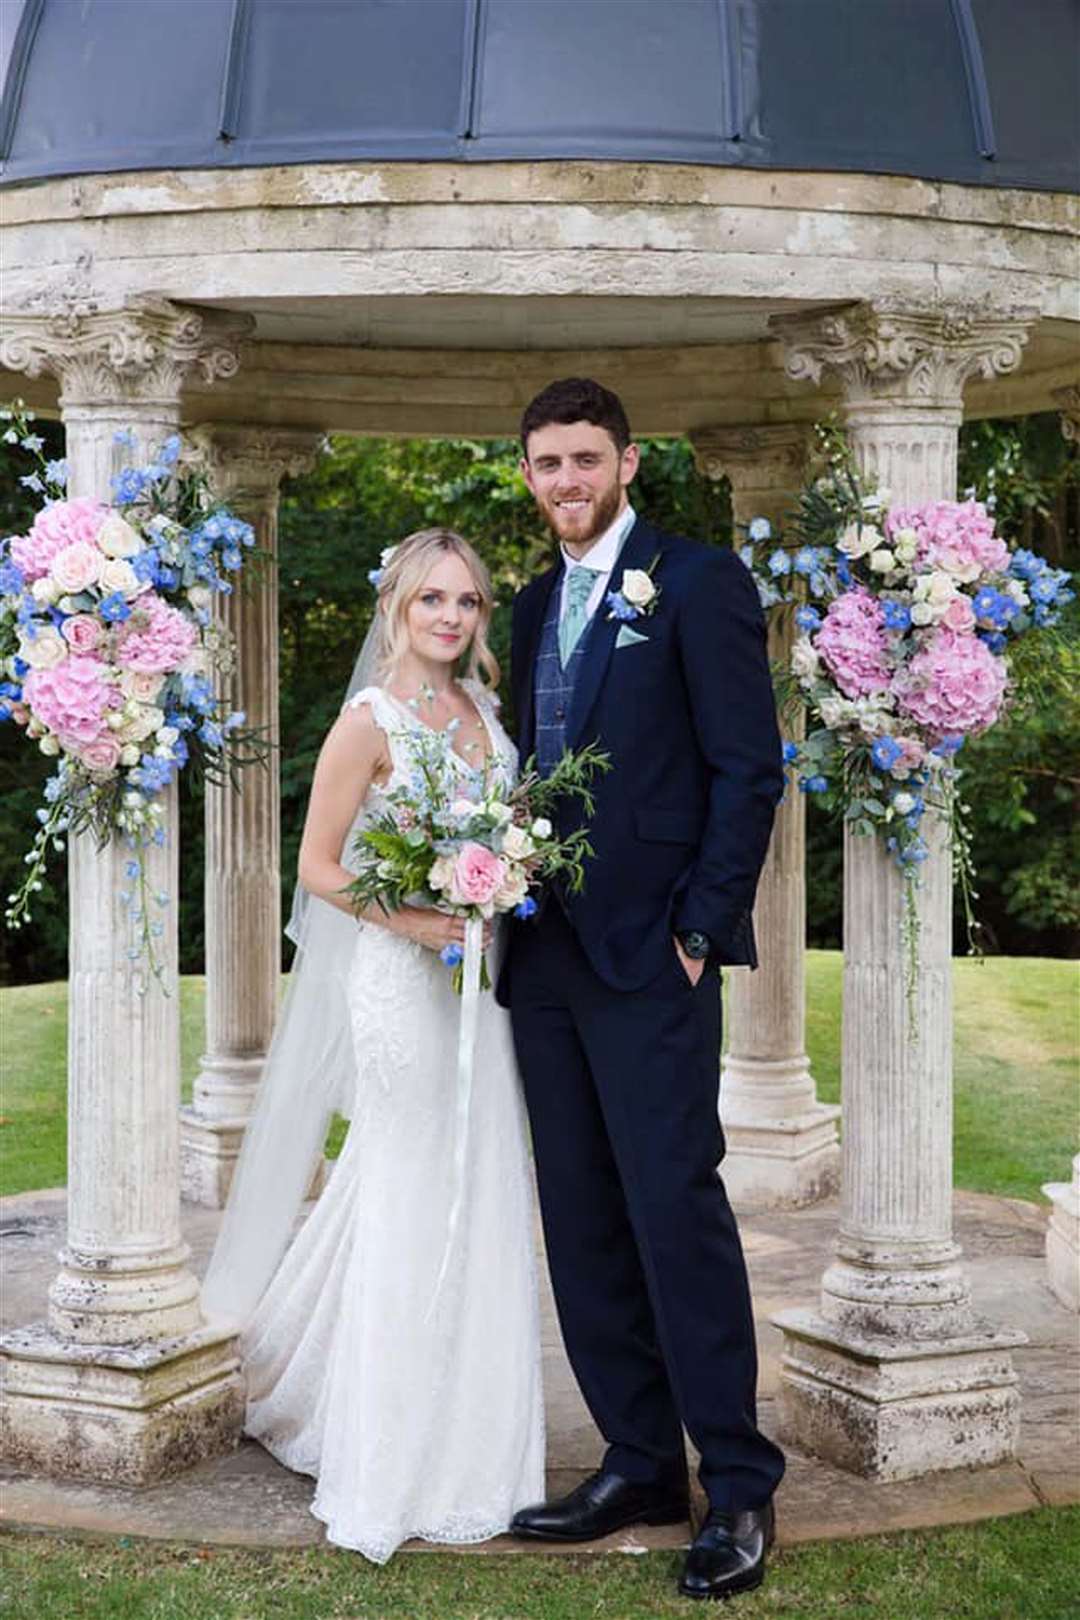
column 434, row 930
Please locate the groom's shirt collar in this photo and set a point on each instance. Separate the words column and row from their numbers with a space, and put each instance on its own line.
column 601, row 558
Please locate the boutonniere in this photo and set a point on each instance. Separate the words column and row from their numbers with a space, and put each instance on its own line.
column 637, row 595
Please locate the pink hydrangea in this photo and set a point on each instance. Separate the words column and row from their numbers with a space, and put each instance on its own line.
column 156, row 639
column 852, row 644
column 953, row 686
column 956, row 536
column 56, row 527
column 72, row 699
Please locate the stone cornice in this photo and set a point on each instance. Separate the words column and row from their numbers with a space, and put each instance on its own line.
column 884, row 349
column 141, row 352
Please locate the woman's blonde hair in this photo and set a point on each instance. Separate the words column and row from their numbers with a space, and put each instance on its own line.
column 400, row 581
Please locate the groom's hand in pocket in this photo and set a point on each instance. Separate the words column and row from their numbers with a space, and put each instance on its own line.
column 693, row 969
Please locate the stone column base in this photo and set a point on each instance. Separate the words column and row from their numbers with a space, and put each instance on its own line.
column 892, row 1410
column 208, row 1154
column 121, row 1415
column 782, row 1163
column 1063, row 1242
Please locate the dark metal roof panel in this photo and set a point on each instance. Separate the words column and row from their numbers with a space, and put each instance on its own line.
column 977, row 91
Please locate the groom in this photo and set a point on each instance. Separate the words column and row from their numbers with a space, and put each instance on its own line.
column 654, row 647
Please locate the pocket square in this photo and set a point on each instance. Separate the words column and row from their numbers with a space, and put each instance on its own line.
column 627, row 637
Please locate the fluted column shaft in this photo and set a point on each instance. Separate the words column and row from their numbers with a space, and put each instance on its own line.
column 781, row 1142
column 243, row 829
column 895, row 1375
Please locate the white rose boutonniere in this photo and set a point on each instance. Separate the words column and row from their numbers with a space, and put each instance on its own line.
column 637, row 595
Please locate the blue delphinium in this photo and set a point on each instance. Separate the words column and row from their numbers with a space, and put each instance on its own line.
column 813, row 784
column 779, row 563
column 885, row 753
column 897, row 615
column 791, row 753
column 760, row 529
column 620, row 607
column 452, row 955
column 527, row 908
column 808, row 618
column 114, row 609
column 805, row 560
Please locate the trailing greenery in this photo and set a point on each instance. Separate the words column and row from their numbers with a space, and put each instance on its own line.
column 371, row 492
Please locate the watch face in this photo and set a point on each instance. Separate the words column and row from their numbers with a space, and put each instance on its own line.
column 696, row 946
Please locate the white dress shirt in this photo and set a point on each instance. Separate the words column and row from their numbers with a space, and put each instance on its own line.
column 600, row 557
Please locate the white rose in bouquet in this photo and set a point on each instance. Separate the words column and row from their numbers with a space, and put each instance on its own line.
column 805, row 662
column 117, row 538
column 882, row 561
column 442, row 872
column 118, row 575
column 517, row 844
column 513, row 888
column 858, row 539
column 541, row 827
column 46, row 650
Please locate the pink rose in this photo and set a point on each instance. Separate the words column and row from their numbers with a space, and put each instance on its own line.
column 56, row 527
column 959, row 615
column 478, row 876
column 103, row 754
column 82, row 632
column 76, row 567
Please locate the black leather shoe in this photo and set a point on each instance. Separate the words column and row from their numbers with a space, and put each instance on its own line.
column 601, row 1504
column 728, row 1553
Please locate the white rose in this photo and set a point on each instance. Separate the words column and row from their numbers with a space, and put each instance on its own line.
column 517, row 844
column 512, row 890
column 47, row 649
column 922, row 613
column 903, row 804
column 77, row 567
column 141, row 685
column 129, row 754
column 45, row 590
column 541, row 827
column 637, row 588
column 442, row 872
column 499, row 813
column 882, row 561
column 196, row 662
column 905, row 544
column 200, row 598
column 805, row 662
column 1015, row 589
column 859, row 538
column 49, row 745
column 835, row 711
column 117, row 538
column 118, row 575
column 142, row 724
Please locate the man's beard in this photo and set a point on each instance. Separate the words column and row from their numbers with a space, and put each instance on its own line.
column 605, row 511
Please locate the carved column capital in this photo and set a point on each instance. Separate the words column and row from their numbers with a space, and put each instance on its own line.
column 138, row 354
column 247, row 464
column 772, row 455
column 1069, row 406
column 886, row 349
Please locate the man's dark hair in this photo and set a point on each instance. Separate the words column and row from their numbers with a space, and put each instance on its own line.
column 577, row 399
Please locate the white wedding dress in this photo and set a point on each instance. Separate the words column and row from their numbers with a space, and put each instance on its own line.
column 418, row 1408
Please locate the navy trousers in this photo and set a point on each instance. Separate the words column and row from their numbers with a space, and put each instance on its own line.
column 645, row 1258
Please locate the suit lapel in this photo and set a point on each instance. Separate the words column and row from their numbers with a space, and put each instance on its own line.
column 638, row 551
column 536, row 608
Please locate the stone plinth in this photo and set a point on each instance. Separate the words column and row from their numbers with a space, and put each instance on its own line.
column 1063, row 1238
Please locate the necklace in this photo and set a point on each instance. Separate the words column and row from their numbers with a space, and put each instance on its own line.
column 427, row 696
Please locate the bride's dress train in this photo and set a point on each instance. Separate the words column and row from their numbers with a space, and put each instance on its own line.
column 417, row 1407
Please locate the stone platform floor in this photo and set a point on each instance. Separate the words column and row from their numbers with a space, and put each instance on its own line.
column 249, row 1499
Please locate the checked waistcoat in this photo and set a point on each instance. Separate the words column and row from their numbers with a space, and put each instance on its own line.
column 553, row 687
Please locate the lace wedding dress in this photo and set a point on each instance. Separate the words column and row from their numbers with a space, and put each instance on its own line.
column 417, row 1407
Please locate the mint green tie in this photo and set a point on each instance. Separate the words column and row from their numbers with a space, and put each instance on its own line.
column 578, row 590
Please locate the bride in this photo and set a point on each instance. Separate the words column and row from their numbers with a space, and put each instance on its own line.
column 392, row 1349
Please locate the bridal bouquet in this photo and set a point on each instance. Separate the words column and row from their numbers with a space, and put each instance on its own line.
column 472, row 857
column 108, row 651
column 905, row 617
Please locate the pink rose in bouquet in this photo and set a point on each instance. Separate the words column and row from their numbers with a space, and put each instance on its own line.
column 157, row 638
column 953, row 685
column 103, row 754
column 72, row 699
column 55, row 528
column 478, row 876
column 82, row 632
column 851, row 643
column 77, row 567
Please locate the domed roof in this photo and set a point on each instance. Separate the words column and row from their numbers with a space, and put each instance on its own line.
column 977, row 91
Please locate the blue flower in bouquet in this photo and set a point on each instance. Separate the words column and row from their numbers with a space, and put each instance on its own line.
column 779, row 563
column 819, row 584
column 791, row 753
column 33, row 442
column 1047, row 586
column 211, row 734
column 843, row 569
column 32, row 481
column 56, row 472
column 197, row 693
column 808, row 618
column 152, row 774
column 114, row 609
column 947, row 747
column 996, row 640
column 885, row 753
column 994, row 607
column 11, row 578
column 1026, row 565
column 897, row 615
column 452, row 955
column 169, row 453
column 760, row 529
column 768, row 595
column 124, row 437
column 746, row 556
column 128, row 485
column 813, row 784
column 526, row 909
column 232, row 559
column 805, row 560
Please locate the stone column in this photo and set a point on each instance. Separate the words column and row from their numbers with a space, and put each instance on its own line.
column 782, row 1148
column 1063, row 1238
column 243, row 829
column 123, row 1383
column 894, row 1376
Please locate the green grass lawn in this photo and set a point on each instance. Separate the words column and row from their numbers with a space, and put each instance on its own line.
column 1021, row 1568
column 1016, row 1113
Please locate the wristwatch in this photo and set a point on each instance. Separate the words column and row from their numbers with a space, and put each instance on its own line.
column 696, row 944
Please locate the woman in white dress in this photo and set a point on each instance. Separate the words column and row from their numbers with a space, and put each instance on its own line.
column 392, row 1350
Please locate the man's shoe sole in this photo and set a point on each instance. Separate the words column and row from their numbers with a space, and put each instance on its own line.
column 668, row 1516
column 745, row 1583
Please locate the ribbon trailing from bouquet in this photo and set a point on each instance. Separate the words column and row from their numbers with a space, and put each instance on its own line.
column 466, row 1054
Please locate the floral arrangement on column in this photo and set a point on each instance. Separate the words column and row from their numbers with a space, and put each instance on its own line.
column 905, row 617
column 109, row 656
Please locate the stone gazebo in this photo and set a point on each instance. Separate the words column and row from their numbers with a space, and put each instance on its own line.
column 405, row 218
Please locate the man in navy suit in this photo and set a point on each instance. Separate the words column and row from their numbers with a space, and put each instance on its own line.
column 653, row 647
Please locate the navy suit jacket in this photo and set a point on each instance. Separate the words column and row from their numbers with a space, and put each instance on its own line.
column 687, row 716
